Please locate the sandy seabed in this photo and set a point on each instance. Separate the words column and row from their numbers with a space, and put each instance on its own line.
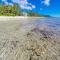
column 19, row 41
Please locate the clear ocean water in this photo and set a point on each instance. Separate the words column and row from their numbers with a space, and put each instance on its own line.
column 52, row 23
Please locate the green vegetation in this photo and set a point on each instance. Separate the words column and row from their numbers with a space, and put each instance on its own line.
column 34, row 14
column 8, row 10
column 15, row 10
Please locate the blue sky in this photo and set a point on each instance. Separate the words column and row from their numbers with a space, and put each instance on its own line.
column 46, row 7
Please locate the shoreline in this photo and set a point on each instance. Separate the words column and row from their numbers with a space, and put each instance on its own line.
column 7, row 18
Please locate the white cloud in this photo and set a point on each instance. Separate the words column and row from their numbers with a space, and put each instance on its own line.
column 16, row 1
column 46, row 2
column 24, row 4
column 33, row 6
column 5, row 1
column 10, row 4
column 25, row 7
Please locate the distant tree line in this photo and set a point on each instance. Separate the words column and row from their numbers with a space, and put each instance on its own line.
column 8, row 10
column 15, row 10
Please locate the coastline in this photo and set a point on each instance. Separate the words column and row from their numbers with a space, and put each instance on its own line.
column 7, row 18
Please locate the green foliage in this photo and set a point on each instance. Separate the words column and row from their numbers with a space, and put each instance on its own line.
column 33, row 14
column 15, row 10
column 8, row 10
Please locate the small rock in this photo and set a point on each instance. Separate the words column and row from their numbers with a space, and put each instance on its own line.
column 39, row 50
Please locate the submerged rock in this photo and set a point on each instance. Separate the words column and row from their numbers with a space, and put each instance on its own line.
column 41, row 44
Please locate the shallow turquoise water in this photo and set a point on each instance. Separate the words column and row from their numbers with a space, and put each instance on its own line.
column 52, row 23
